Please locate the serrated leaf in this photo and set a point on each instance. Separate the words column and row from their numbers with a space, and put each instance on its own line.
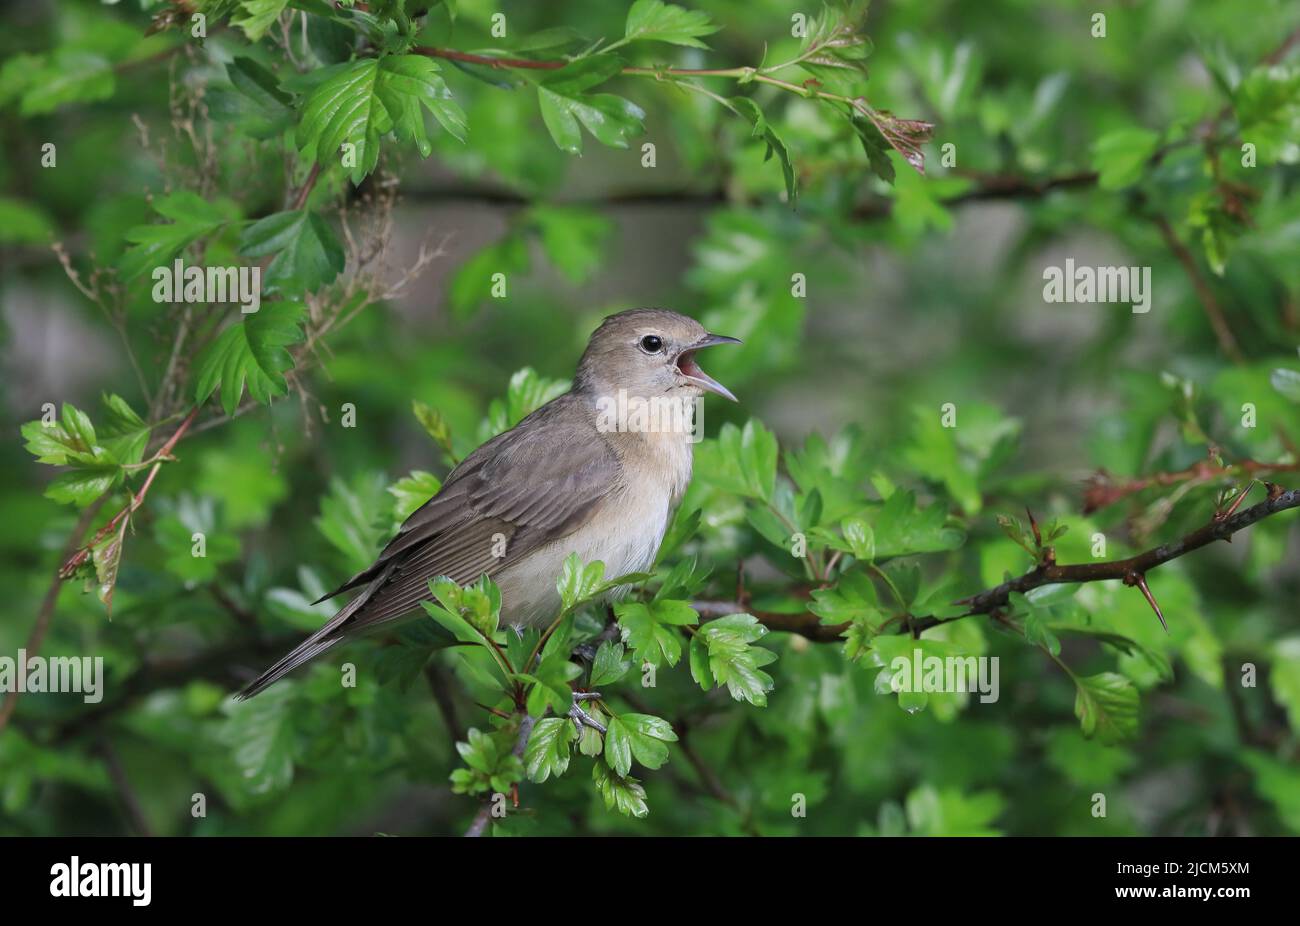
column 610, row 119
column 748, row 109
column 412, row 491
column 549, row 748
column 362, row 101
column 154, row 246
column 253, row 352
column 307, row 252
column 1107, row 706
column 609, row 665
column 656, row 21
column 648, row 628
column 637, row 735
column 255, row 17
column 621, row 793
column 733, row 662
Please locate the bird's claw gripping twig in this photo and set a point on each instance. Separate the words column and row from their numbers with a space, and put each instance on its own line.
column 581, row 717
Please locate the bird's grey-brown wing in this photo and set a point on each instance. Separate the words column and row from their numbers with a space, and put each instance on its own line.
column 531, row 485
column 538, row 487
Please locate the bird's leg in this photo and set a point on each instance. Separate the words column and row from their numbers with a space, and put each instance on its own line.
column 581, row 717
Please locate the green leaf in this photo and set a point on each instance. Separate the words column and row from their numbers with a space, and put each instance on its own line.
column 549, row 748
column 409, row 84
column 72, row 441
column 852, row 598
column 876, row 147
column 1279, row 782
column 259, row 733
column 1286, row 382
column 24, row 223
column 648, row 628
column 125, row 433
column 610, row 119
column 1107, row 707
column 748, row 109
column 350, row 518
column 67, row 441
column 1121, row 157
column 902, row 530
column 253, row 352
column 656, row 21
column 860, row 538
column 404, row 661
column 70, row 75
column 739, row 460
column 619, row 792
column 154, row 246
column 637, row 735
column 609, row 665
column 360, row 102
column 1039, row 634
column 175, row 532
column 84, row 484
column 573, row 238
column 577, row 582
column 412, row 491
column 257, row 16
column 436, row 426
column 732, row 661
column 491, row 766
column 931, row 812
column 527, row 393
column 550, row 684
column 1284, row 677
column 307, row 252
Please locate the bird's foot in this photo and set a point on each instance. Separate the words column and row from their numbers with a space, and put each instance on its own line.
column 581, row 717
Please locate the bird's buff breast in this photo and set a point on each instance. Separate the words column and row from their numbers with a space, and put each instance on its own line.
column 625, row 535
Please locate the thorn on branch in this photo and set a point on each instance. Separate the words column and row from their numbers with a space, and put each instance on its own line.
column 1140, row 580
column 1222, row 515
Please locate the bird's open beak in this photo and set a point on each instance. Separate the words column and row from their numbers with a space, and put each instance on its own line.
column 687, row 366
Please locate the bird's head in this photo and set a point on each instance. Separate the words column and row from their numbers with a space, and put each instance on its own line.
column 649, row 353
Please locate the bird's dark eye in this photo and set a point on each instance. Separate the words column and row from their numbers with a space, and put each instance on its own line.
column 652, row 344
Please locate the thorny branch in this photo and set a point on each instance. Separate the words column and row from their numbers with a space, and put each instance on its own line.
column 1130, row 571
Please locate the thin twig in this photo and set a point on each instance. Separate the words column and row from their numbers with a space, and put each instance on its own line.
column 45, row 613
column 484, row 815
column 1209, row 301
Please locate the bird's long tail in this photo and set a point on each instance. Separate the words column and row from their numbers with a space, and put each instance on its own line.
column 304, row 652
column 308, row 649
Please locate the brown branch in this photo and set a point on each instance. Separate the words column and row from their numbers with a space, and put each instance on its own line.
column 1103, row 490
column 308, row 185
column 122, row 784
column 71, row 564
column 1131, row 571
column 1209, row 301
column 45, row 614
column 440, row 686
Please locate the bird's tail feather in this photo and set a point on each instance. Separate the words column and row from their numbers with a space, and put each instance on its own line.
column 335, row 631
column 306, row 651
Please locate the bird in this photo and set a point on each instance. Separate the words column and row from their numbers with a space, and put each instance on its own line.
column 597, row 472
